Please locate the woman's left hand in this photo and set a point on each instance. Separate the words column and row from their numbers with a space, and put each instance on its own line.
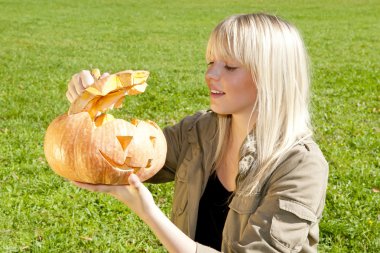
column 135, row 195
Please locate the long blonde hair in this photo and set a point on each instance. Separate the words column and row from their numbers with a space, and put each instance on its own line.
column 273, row 50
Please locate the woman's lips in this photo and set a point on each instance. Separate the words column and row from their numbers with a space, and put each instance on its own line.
column 216, row 93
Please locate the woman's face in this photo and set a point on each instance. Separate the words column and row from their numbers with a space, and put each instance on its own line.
column 232, row 90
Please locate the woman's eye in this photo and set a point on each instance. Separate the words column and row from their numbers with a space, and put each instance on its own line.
column 230, row 68
column 210, row 63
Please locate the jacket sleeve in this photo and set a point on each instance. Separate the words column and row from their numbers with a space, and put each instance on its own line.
column 176, row 139
column 286, row 217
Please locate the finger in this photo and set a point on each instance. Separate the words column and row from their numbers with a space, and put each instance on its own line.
column 84, row 185
column 94, row 187
column 86, row 78
column 69, row 97
column 75, row 85
column 71, row 90
column 104, row 75
column 134, row 181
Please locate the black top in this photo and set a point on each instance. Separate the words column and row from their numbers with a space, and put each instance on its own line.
column 212, row 213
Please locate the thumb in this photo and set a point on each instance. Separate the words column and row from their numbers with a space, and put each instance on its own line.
column 134, row 181
column 104, row 75
column 85, row 79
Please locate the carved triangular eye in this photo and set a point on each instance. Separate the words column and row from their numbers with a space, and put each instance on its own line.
column 149, row 163
column 135, row 122
column 124, row 141
column 153, row 140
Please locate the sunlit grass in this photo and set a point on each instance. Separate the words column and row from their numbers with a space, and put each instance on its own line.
column 44, row 42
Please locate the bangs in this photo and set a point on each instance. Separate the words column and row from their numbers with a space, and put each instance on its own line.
column 226, row 42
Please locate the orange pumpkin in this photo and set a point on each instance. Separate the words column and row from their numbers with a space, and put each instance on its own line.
column 88, row 145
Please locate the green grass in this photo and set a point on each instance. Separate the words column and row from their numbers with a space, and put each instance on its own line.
column 42, row 43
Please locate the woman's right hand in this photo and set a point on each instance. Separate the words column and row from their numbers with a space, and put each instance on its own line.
column 80, row 81
column 135, row 195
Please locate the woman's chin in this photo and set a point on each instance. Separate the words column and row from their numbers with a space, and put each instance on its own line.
column 219, row 111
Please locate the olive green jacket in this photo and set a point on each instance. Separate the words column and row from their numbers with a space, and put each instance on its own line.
column 281, row 216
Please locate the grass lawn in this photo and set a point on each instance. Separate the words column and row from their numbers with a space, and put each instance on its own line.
column 42, row 43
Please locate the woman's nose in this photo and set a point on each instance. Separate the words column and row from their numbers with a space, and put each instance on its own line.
column 213, row 72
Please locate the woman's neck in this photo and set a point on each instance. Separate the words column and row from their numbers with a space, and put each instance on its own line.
column 241, row 125
column 228, row 168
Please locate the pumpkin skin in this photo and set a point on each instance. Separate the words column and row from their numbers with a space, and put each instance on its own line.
column 87, row 147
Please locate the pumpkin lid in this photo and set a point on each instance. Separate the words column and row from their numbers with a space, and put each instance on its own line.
column 109, row 92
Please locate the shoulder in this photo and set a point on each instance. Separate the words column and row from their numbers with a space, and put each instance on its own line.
column 306, row 154
column 301, row 175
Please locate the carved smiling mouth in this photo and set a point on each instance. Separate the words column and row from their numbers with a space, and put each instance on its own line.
column 124, row 166
column 125, row 141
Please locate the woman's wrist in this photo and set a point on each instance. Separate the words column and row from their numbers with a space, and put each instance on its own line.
column 171, row 237
column 151, row 212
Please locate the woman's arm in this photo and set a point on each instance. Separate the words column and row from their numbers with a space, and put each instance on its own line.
column 170, row 236
column 138, row 198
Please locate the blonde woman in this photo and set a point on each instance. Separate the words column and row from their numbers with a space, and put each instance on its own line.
column 248, row 176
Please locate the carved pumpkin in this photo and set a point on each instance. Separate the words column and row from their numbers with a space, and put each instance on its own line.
column 88, row 145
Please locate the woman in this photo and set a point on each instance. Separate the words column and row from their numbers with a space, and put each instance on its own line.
column 248, row 176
